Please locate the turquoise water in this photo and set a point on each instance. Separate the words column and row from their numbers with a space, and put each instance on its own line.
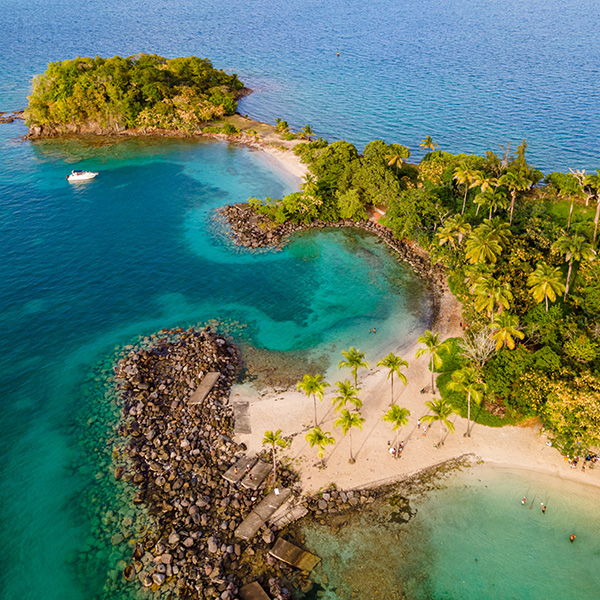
column 88, row 268
column 471, row 539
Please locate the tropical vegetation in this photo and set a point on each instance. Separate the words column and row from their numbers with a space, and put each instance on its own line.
column 145, row 91
column 519, row 250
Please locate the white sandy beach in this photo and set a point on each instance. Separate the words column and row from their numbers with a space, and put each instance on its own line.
column 293, row 413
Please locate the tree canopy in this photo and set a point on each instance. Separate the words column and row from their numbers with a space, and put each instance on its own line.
column 145, row 91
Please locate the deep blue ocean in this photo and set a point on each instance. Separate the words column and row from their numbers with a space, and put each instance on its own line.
column 85, row 269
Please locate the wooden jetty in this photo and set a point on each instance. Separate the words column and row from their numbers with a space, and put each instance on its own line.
column 259, row 472
column 206, row 385
column 239, row 469
column 293, row 555
column 259, row 515
column 253, row 591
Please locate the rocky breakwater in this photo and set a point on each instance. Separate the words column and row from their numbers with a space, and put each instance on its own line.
column 254, row 230
column 176, row 454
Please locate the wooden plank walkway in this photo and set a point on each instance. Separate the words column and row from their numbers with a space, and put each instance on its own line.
column 253, row 591
column 293, row 555
column 239, row 469
column 259, row 472
column 204, row 388
column 259, row 515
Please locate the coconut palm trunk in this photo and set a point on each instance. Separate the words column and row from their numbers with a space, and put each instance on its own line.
column 432, row 378
column 469, row 414
column 568, row 279
column 596, row 219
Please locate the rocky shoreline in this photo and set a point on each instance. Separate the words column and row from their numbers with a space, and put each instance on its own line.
column 176, row 455
column 255, row 231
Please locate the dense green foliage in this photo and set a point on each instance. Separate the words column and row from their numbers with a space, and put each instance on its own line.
column 519, row 251
column 139, row 92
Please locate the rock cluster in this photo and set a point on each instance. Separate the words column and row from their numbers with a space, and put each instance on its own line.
column 176, row 455
column 253, row 230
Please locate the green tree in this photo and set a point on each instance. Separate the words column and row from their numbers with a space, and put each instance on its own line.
column 486, row 242
column 346, row 393
column 307, row 132
column 274, row 440
column 464, row 176
column 398, row 417
column 505, row 328
column 394, row 363
column 433, row 347
column 347, row 421
column 317, row 437
column 516, row 182
column 468, row 381
column 397, row 156
column 453, row 231
column 313, row 385
column 353, row 360
column 441, row 411
column 592, row 182
column 575, row 249
column 281, row 126
column 545, row 283
column 428, row 144
column 490, row 293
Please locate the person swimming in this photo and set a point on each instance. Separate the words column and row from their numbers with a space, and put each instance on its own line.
column 524, row 501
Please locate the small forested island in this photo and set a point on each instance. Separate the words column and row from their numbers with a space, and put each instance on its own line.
column 141, row 92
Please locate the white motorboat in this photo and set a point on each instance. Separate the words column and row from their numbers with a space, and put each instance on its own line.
column 81, row 175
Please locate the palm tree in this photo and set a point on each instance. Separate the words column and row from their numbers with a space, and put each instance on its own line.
column 573, row 190
column 491, row 199
column 354, row 360
column 464, row 175
column 487, row 241
column 433, row 347
column 545, row 283
column 455, row 228
column 484, row 182
column 347, row 393
column 482, row 246
column 274, row 440
column 441, row 411
column 575, row 249
column 397, row 156
column 315, row 386
column 347, row 421
column 309, row 184
column 467, row 381
column 398, row 417
column 281, row 126
column 394, row 364
column 592, row 182
column 317, row 437
column 491, row 293
column 307, row 132
column 515, row 182
column 428, row 143
column 504, row 328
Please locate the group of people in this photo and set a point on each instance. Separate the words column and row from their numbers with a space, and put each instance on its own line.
column 543, row 507
column 589, row 458
column 393, row 452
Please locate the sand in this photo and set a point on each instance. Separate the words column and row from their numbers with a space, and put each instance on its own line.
column 291, row 411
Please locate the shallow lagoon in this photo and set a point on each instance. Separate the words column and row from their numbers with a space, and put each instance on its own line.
column 472, row 538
